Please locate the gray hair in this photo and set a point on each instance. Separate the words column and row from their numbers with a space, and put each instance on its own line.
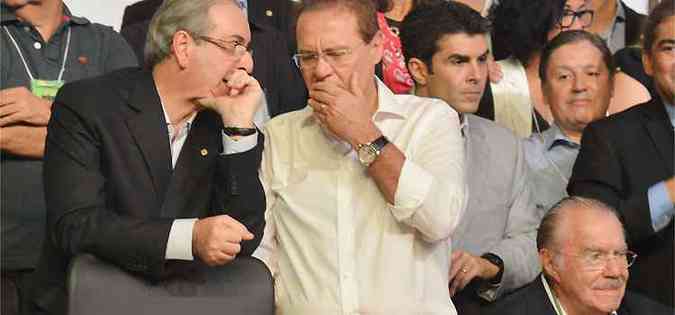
column 548, row 234
column 172, row 16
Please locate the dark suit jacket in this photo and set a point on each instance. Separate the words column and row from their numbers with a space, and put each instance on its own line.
column 532, row 300
column 620, row 158
column 634, row 25
column 285, row 90
column 110, row 188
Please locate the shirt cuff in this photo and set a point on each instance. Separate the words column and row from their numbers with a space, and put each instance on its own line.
column 179, row 245
column 414, row 184
column 661, row 207
column 242, row 145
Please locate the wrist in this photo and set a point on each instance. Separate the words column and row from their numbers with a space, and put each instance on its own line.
column 494, row 268
column 365, row 135
column 238, row 123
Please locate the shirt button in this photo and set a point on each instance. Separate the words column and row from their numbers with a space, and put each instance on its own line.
column 37, row 45
column 26, row 28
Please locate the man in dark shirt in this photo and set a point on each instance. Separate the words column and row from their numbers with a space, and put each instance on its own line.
column 42, row 45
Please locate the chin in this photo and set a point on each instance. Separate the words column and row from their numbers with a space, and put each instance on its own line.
column 609, row 300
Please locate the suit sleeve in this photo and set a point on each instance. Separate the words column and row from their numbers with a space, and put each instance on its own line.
column 518, row 246
column 598, row 174
column 238, row 190
column 78, row 218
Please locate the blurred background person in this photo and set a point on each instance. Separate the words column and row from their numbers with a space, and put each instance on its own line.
column 521, row 28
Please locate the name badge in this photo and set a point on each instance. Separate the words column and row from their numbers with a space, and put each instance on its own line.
column 45, row 89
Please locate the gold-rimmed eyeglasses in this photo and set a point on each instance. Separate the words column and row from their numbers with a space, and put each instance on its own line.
column 231, row 47
column 596, row 259
column 310, row 59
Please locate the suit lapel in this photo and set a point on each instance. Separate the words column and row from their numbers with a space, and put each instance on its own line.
column 660, row 132
column 148, row 128
column 200, row 148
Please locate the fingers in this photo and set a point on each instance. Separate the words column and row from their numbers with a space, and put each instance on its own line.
column 463, row 270
column 237, row 226
column 238, row 81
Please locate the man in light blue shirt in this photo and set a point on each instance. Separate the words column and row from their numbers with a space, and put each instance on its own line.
column 576, row 67
column 626, row 161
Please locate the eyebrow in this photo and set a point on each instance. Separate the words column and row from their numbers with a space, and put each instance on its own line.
column 461, row 57
column 303, row 51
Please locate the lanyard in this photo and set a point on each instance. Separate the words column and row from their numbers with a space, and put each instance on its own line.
column 25, row 64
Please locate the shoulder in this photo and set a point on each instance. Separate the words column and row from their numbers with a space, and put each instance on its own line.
column 619, row 123
column 288, row 122
column 495, row 133
column 96, row 93
column 634, row 303
column 522, row 301
column 416, row 107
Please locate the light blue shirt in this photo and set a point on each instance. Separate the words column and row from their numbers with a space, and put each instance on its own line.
column 244, row 5
column 550, row 156
column 661, row 207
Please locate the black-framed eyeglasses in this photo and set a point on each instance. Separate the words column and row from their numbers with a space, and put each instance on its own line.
column 231, row 47
column 567, row 20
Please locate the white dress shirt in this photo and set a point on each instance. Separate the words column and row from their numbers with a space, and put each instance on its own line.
column 333, row 242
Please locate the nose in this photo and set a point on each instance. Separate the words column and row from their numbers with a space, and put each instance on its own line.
column 246, row 62
column 577, row 24
column 580, row 83
column 476, row 72
column 322, row 70
column 615, row 267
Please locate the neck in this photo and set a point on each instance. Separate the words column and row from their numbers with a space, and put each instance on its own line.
column 572, row 307
column 573, row 135
column 603, row 17
column 45, row 16
column 399, row 10
column 178, row 105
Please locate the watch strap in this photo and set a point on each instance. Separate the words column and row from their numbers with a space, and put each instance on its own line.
column 497, row 261
column 236, row 131
column 380, row 143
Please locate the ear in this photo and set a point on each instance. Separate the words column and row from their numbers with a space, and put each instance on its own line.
column 647, row 63
column 181, row 47
column 419, row 71
column 378, row 47
column 548, row 264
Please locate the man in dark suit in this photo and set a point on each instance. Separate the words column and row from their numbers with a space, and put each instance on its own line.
column 138, row 174
column 284, row 89
column 626, row 160
column 585, row 263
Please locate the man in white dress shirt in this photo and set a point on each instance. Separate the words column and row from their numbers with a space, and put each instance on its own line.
column 363, row 187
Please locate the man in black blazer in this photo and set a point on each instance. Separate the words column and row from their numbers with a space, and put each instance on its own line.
column 284, row 88
column 626, row 160
column 585, row 263
column 139, row 174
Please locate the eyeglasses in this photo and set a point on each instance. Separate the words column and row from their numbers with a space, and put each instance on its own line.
column 596, row 260
column 569, row 16
column 309, row 60
column 233, row 48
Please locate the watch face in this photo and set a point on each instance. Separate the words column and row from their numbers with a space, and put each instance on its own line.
column 367, row 154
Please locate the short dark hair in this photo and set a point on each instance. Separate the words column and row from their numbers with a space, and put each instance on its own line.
column 424, row 26
column 571, row 37
column 550, row 224
column 660, row 13
column 520, row 27
column 364, row 11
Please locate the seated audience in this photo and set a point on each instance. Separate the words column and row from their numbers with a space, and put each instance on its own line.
column 585, row 259
column 364, row 187
column 274, row 69
column 576, row 76
column 139, row 174
column 626, row 161
column 522, row 28
column 42, row 45
column 493, row 251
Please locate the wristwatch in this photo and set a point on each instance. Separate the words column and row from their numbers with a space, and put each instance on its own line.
column 497, row 261
column 236, row 131
column 368, row 152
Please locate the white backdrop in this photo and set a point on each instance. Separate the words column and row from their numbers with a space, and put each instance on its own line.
column 108, row 12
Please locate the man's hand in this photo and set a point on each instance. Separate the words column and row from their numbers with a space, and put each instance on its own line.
column 495, row 73
column 215, row 240
column 19, row 105
column 670, row 187
column 465, row 267
column 236, row 100
column 343, row 111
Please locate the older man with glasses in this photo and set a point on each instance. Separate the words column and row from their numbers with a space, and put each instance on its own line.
column 585, row 260
column 364, row 187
